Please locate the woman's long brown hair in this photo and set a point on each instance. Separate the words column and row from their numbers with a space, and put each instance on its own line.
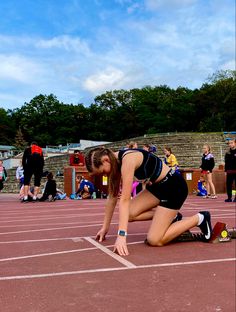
column 93, row 160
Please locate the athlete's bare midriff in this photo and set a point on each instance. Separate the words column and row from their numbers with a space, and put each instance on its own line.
column 165, row 170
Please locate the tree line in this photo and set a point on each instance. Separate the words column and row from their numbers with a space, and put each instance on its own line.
column 123, row 114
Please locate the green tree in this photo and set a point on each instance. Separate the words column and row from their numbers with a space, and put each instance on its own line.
column 123, row 114
column 49, row 122
column 7, row 127
column 216, row 102
column 20, row 142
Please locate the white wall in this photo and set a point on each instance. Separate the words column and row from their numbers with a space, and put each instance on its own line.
column 11, row 163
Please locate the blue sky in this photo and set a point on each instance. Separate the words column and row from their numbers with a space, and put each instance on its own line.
column 77, row 49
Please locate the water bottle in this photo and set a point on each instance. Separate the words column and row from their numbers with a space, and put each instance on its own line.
column 94, row 195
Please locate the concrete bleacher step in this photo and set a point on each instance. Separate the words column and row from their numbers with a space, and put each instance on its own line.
column 52, row 164
column 186, row 146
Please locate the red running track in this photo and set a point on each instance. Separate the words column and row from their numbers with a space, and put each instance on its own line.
column 49, row 261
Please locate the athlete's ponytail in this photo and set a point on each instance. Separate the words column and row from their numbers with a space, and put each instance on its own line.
column 93, row 160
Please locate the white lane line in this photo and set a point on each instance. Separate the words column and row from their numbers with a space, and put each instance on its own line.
column 222, row 217
column 226, row 214
column 60, row 252
column 107, row 251
column 18, row 213
column 47, row 254
column 53, row 229
column 26, row 219
column 48, row 224
column 150, row 266
column 75, row 239
column 51, row 217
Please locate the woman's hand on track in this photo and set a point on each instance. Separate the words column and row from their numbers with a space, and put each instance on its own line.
column 101, row 235
column 121, row 246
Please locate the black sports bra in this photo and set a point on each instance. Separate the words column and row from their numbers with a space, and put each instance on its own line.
column 150, row 168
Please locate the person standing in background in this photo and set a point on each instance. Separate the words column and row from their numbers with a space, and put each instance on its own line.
column 33, row 163
column 20, row 175
column 230, row 169
column 207, row 165
column 3, row 175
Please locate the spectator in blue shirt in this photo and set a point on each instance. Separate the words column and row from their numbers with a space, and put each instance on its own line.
column 85, row 188
column 201, row 187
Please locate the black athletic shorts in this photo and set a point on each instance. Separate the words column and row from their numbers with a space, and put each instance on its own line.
column 28, row 175
column 171, row 191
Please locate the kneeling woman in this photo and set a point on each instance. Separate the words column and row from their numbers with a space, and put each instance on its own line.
column 165, row 191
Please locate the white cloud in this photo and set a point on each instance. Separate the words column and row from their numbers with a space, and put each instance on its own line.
column 108, row 79
column 18, row 68
column 173, row 48
column 67, row 43
column 167, row 36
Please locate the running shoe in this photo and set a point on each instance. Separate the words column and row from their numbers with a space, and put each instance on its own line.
column 228, row 200
column 25, row 200
column 205, row 226
column 63, row 196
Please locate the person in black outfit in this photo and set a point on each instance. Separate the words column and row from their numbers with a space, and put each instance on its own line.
column 230, row 169
column 165, row 193
column 33, row 163
column 50, row 189
column 207, row 165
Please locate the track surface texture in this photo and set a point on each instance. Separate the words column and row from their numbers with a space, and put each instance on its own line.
column 50, row 261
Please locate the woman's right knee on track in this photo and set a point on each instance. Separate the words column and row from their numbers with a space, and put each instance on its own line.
column 154, row 241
